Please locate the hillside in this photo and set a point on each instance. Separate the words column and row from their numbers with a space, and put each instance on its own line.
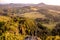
column 49, row 11
column 29, row 22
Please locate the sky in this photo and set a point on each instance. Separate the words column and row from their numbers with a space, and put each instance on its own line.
column 51, row 2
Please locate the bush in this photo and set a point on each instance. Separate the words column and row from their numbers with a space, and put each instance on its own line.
column 10, row 36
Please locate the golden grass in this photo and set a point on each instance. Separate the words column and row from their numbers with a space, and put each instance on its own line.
column 53, row 37
column 50, row 25
column 34, row 15
column 4, row 18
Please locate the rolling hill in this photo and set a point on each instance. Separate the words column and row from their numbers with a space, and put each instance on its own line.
column 32, row 10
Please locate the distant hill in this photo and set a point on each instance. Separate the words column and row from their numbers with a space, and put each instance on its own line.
column 42, row 5
column 40, row 10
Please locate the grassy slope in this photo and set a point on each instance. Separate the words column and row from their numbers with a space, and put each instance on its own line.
column 33, row 15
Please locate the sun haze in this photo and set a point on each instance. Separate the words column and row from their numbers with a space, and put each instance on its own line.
column 53, row 2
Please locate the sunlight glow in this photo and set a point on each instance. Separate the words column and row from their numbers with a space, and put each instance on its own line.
column 53, row 2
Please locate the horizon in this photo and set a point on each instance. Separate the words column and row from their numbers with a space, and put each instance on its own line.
column 49, row 2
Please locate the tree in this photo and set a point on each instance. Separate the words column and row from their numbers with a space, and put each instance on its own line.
column 43, row 31
column 27, row 26
column 56, row 30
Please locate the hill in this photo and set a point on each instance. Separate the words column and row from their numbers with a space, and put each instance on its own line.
column 29, row 21
column 34, row 10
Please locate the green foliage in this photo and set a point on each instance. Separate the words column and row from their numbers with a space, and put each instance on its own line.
column 56, row 30
column 1, row 25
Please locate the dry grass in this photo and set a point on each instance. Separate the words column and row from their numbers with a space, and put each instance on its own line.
column 4, row 18
column 50, row 26
column 34, row 15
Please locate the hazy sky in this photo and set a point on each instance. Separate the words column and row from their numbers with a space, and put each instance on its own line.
column 53, row 2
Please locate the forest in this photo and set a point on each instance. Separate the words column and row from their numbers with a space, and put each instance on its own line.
column 22, row 23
